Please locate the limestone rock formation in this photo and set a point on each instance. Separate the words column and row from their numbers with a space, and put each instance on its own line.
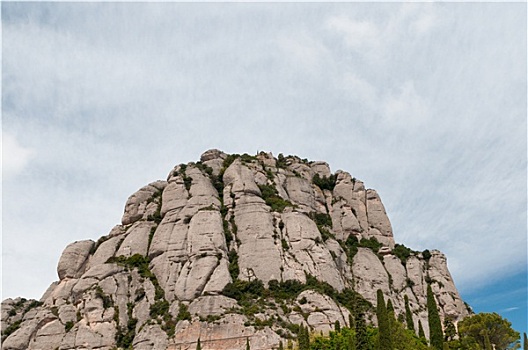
column 228, row 250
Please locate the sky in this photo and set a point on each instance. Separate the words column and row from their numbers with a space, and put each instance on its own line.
column 424, row 102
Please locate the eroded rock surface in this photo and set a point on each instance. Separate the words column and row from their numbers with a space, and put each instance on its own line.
column 168, row 274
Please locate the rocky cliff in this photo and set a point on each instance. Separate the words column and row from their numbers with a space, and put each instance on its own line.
column 227, row 250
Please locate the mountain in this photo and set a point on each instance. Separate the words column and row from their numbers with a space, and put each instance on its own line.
column 232, row 249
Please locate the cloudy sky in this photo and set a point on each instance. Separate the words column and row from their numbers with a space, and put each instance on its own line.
column 425, row 102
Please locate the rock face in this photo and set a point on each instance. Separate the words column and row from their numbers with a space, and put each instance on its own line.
column 191, row 251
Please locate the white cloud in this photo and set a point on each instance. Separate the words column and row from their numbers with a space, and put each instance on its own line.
column 360, row 89
column 405, row 107
column 510, row 309
column 357, row 34
column 302, row 50
column 15, row 157
column 389, row 92
column 417, row 18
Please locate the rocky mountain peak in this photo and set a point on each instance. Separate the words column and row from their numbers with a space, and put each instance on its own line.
column 230, row 249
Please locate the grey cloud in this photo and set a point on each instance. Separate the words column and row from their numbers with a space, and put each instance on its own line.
column 112, row 95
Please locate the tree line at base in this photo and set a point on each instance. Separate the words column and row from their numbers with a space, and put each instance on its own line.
column 483, row 331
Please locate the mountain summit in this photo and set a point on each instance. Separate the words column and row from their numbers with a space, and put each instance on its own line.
column 229, row 251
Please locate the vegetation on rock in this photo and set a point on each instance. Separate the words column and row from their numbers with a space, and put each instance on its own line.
column 272, row 198
column 325, row 183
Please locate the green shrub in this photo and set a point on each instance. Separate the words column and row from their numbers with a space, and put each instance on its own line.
column 204, row 168
column 233, row 264
column 187, row 181
column 228, row 161
column 159, row 308
column 183, row 313
column 323, row 222
column 269, row 174
column 285, row 290
column 371, row 243
column 402, row 252
column 243, row 290
column 246, row 158
column 13, row 327
column 321, row 219
column 426, row 254
column 281, row 161
column 325, row 183
column 272, row 198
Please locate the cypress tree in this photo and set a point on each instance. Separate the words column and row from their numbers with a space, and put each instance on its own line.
column 337, row 326
column 392, row 318
column 300, row 337
column 247, row 344
column 307, row 337
column 281, row 347
column 390, row 308
column 362, row 341
column 436, row 335
column 525, row 346
column 351, row 322
column 383, row 323
column 198, row 345
column 408, row 314
column 421, row 333
column 304, row 338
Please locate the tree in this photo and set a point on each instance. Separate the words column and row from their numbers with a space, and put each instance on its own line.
column 351, row 322
column 247, row 344
column 281, row 347
column 337, row 326
column 383, row 323
column 350, row 335
column 449, row 330
column 304, row 338
column 421, row 332
column 198, row 345
column 362, row 339
column 408, row 314
column 436, row 336
column 525, row 346
column 498, row 330
column 487, row 342
column 390, row 312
